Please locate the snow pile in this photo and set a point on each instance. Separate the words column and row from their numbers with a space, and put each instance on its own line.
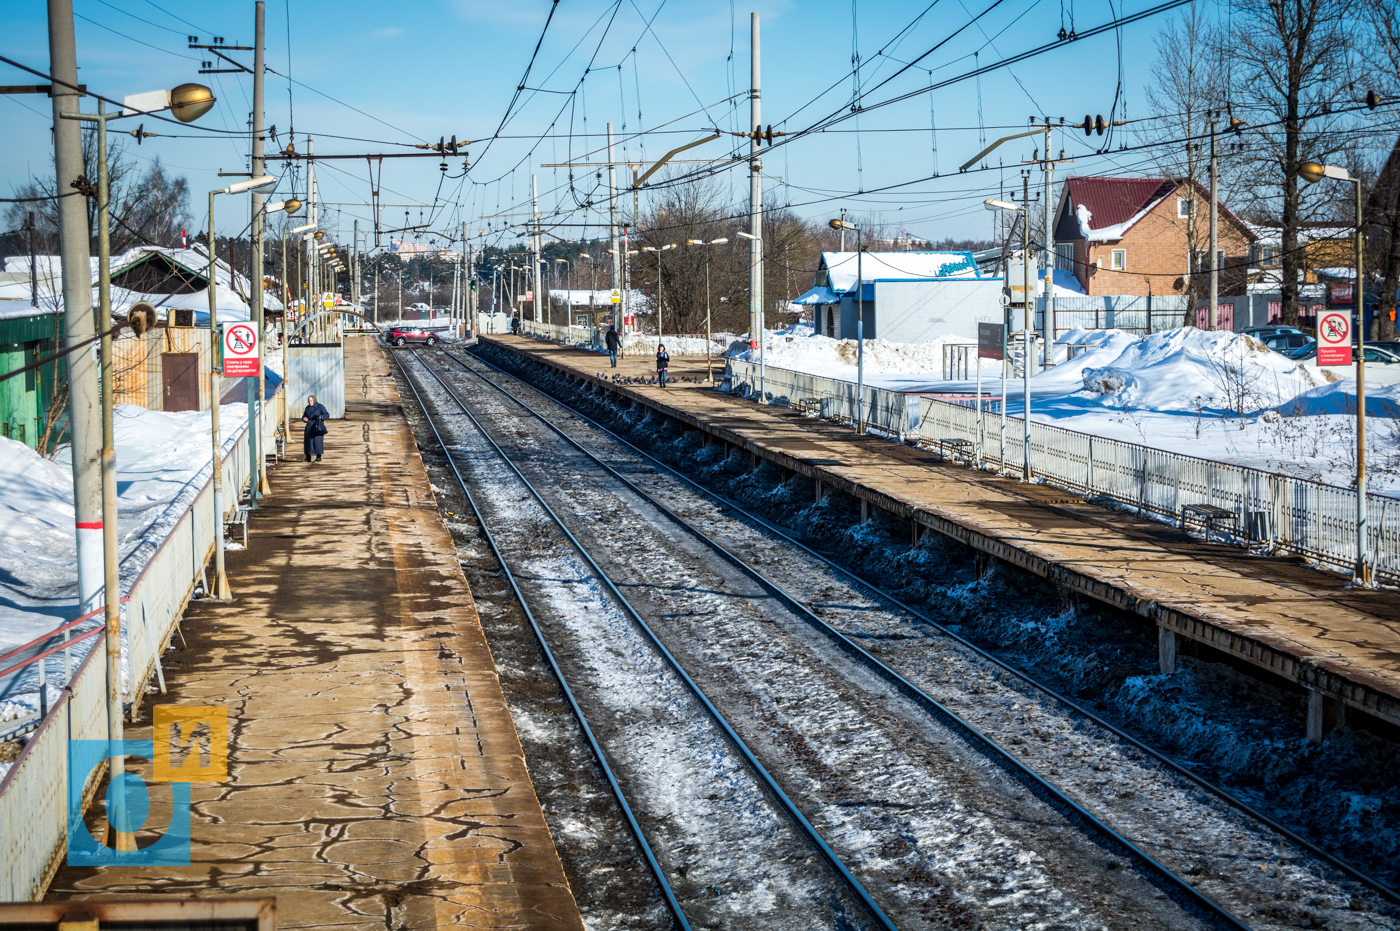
column 162, row 462
column 800, row 350
column 1178, row 370
column 1340, row 398
column 675, row 345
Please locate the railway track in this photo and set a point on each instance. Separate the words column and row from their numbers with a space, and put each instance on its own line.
column 750, row 859
column 944, row 827
column 1265, row 870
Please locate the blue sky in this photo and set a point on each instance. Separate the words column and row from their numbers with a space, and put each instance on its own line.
column 418, row 70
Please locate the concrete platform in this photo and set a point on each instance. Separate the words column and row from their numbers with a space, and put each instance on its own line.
column 375, row 778
column 1303, row 624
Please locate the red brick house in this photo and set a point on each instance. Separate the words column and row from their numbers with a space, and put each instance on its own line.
column 1114, row 233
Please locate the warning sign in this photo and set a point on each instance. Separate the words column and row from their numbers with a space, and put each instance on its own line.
column 240, row 351
column 616, row 297
column 1334, row 339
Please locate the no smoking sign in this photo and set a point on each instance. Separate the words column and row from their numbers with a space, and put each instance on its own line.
column 240, row 351
column 1334, row 339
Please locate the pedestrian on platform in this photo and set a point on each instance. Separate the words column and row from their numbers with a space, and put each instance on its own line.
column 663, row 359
column 614, row 343
column 313, row 439
column 515, row 325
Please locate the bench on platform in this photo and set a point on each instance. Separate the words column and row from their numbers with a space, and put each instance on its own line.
column 1210, row 517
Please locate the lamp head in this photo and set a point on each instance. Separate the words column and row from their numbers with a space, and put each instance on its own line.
column 257, row 185
column 1312, row 172
column 189, row 102
column 320, row 234
column 719, row 242
column 991, row 203
column 695, row 242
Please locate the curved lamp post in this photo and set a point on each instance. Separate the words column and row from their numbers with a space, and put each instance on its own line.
column 1313, row 172
column 994, row 204
column 658, row 250
column 261, row 185
column 860, row 321
column 709, row 360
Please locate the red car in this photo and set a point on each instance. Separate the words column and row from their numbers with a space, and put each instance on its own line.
column 402, row 336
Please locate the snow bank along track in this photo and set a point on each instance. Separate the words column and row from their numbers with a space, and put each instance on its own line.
column 1231, row 853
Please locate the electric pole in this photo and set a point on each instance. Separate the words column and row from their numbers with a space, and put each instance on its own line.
column 612, row 214
column 84, row 419
column 755, row 194
column 535, row 206
column 1047, row 323
column 257, row 475
column 1214, row 230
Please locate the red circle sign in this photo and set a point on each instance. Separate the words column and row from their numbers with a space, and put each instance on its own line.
column 240, row 340
column 1334, row 329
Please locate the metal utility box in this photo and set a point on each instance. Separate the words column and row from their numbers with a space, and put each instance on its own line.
column 319, row 369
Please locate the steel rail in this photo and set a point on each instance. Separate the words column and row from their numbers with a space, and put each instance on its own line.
column 1384, row 889
column 904, row 685
column 667, row 892
column 881, row 919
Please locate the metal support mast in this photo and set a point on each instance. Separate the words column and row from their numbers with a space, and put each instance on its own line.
column 257, row 479
column 1047, row 323
column 755, row 204
column 84, row 418
column 1214, row 232
column 535, row 206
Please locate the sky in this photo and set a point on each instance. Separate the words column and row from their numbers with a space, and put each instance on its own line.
column 369, row 77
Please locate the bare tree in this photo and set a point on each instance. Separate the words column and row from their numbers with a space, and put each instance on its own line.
column 148, row 207
column 1383, row 206
column 1290, row 64
column 1188, row 83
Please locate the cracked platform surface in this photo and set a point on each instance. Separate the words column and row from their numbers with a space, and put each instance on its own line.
column 375, row 776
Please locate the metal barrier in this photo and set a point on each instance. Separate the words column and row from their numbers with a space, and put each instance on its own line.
column 891, row 412
column 34, row 791
column 1280, row 512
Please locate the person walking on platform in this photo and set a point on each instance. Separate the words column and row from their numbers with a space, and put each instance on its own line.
column 614, row 343
column 314, row 438
column 515, row 325
column 663, row 359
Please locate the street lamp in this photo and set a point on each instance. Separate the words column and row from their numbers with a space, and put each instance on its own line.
column 762, row 326
column 1313, row 172
column 592, row 284
column 709, row 364
column 194, row 101
column 568, row 288
column 993, row 204
column 257, row 480
column 286, row 331
column 860, row 320
column 257, row 185
column 658, row 250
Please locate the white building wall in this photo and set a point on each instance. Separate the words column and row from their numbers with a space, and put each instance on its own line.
column 918, row 311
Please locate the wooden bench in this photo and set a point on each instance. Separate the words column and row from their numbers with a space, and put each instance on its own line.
column 1210, row 517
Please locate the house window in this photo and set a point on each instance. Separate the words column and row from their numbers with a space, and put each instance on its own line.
column 1185, row 207
column 1201, row 260
column 1119, row 260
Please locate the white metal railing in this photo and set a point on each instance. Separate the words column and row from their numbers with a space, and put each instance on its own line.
column 34, row 791
column 888, row 411
column 1284, row 513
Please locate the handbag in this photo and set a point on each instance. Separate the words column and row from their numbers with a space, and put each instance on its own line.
column 317, row 427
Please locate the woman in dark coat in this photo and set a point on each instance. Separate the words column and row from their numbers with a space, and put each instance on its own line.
column 315, row 417
column 663, row 359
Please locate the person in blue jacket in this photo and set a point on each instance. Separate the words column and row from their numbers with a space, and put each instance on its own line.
column 314, row 437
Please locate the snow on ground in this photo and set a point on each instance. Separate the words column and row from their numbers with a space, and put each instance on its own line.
column 801, row 350
column 1222, row 396
column 162, row 462
column 675, row 345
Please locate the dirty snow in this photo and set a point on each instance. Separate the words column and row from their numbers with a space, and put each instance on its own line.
column 162, row 462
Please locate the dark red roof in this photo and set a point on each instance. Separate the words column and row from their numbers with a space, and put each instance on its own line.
column 1116, row 200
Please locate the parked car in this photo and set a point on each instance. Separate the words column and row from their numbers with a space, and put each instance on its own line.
column 1287, row 343
column 1263, row 333
column 402, row 336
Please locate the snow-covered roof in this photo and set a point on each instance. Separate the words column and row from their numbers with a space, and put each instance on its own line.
column 1271, row 235
column 818, row 295
column 16, row 308
column 897, row 266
